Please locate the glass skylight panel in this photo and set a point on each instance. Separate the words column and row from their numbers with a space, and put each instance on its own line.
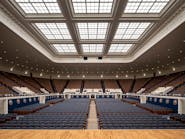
column 92, row 48
column 92, row 30
column 131, row 30
column 65, row 48
column 120, row 48
column 54, row 30
column 39, row 6
column 92, row 6
column 145, row 6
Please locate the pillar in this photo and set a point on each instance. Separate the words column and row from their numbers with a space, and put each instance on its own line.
column 181, row 106
column 42, row 99
column 4, row 106
column 143, row 99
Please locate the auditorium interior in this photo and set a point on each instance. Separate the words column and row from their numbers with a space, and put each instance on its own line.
column 90, row 69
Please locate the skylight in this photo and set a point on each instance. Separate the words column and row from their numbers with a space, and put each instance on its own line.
column 120, row 48
column 65, row 48
column 39, row 6
column 131, row 30
column 92, row 30
column 92, row 48
column 92, row 6
column 145, row 6
column 54, row 30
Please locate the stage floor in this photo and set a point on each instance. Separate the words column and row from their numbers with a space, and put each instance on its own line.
column 92, row 134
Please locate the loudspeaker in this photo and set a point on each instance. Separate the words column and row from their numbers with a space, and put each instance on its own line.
column 100, row 58
column 85, row 58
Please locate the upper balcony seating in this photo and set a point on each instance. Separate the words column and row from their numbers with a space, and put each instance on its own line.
column 111, row 84
column 46, row 84
column 139, row 84
column 92, row 84
column 59, row 84
column 74, row 84
column 126, row 84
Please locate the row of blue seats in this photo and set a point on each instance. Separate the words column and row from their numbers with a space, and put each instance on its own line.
column 70, row 114
column 127, row 116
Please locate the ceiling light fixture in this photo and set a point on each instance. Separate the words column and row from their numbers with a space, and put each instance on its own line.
column 12, row 68
column 26, row 72
column 41, row 74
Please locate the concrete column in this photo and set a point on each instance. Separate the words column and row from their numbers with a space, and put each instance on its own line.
column 181, row 106
column 116, row 96
column 143, row 99
column 42, row 99
column 4, row 106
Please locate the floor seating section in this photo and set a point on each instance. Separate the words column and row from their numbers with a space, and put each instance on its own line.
column 30, row 108
column 70, row 114
column 178, row 117
column 54, row 101
column 114, row 114
column 155, row 108
column 7, row 117
column 130, row 100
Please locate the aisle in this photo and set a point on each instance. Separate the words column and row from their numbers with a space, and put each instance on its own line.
column 92, row 121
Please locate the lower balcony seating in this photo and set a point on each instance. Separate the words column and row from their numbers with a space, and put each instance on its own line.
column 114, row 114
column 30, row 108
column 7, row 117
column 69, row 114
column 155, row 108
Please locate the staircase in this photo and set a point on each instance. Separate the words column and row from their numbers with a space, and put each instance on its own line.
column 92, row 121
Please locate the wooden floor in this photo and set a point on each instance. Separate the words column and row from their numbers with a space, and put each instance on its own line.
column 92, row 134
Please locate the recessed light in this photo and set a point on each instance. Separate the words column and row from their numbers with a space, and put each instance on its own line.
column 68, row 76
column 101, row 76
column 173, row 68
column 26, row 72
column 159, row 72
column 58, row 76
column 2, row 42
column 117, row 76
column 11, row 69
column 144, row 74
column 83, row 76
column 126, row 76
column 41, row 74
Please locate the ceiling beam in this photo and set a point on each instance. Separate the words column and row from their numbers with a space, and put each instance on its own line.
column 118, row 12
column 66, row 11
